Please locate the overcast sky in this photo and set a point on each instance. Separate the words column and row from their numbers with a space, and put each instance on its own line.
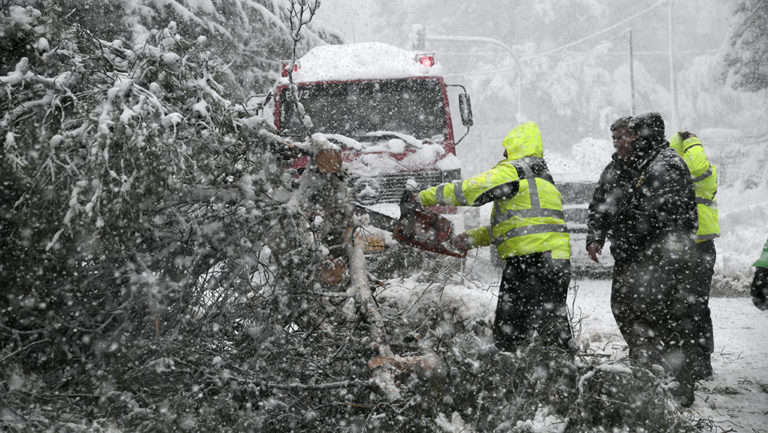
column 352, row 18
column 357, row 19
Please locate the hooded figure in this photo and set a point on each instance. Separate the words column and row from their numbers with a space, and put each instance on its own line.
column 651, row 222
column 528, row 231
column 704, row 178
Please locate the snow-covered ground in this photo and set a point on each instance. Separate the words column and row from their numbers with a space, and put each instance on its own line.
column 737, row 397
column 735, row 400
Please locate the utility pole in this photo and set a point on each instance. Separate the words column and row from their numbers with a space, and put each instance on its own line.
column 631, row 77
column 672, row 86
column 518, row 115
column 420, row 42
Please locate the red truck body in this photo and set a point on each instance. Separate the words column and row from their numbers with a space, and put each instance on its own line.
column 387, row 108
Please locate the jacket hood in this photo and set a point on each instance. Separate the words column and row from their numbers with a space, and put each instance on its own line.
column 649, row 129
column 522, row 141
column 679, row 144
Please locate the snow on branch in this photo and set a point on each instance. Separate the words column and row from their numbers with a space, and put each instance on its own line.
column 268, row 15
column 188, row 15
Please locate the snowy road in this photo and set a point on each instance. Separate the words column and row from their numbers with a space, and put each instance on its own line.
column 737, row 397
column 735, row 400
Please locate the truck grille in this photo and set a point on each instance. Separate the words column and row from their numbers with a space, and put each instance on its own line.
column 389, row 188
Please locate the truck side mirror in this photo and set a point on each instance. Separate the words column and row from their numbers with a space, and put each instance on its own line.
column 465, row 108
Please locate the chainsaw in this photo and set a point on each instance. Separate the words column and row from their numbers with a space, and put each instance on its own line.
column 420, row 228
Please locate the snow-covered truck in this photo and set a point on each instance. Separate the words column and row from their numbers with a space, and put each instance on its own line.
column 388, row 108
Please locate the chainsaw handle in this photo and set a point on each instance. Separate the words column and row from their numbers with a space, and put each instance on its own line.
column 409, row 203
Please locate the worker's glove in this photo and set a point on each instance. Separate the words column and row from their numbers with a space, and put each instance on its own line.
column 461, row 243
column 409, row 202
column 760, row 289
column 594, row 249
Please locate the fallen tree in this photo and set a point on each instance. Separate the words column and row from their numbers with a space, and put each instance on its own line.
column 163, row 270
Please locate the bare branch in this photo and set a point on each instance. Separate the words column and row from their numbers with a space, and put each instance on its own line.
column 12, row 354
column 319, row 386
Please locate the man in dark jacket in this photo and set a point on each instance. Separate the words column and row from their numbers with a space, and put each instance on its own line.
column 645, row 205
column 615, row 183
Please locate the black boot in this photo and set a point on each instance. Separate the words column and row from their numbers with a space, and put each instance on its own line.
column 684, row 394
column 684, row 391
column 703, row 369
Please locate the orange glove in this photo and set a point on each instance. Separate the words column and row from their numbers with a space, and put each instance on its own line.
column 409, row 202
column 461, row 243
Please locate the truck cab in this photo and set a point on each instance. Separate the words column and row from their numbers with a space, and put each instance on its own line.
column 387, row 108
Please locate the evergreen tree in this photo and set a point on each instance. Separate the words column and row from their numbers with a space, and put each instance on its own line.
column 746, row 60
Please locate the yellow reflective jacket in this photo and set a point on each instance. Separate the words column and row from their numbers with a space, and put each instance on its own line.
column 527, row 215
column 704, row 176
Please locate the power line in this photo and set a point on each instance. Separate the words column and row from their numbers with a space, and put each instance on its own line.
column 568, row 45
column 578, row 53
column 607, row 29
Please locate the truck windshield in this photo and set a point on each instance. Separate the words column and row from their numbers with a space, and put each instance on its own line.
column 410, row 106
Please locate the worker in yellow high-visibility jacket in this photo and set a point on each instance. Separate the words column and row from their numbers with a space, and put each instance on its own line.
column 704, row 177
column 529, row 234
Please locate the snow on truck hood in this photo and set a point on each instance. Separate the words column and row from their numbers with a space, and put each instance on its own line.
column 374, row 164
column 382, row 141
column 369, row 60
column 376, row 153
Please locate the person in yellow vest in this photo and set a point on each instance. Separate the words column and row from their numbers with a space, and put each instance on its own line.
column 699, row 320
column 529, row 234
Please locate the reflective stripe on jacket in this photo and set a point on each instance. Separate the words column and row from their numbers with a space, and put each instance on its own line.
column 704, row 176
column 527, row 220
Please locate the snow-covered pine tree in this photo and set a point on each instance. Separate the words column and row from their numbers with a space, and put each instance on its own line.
column 147, row 221
column 746, row 59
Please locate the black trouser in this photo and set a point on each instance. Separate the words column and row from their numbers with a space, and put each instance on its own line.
column 642, row 301
column 649, row 305
column 696, row 318
column 532, row 298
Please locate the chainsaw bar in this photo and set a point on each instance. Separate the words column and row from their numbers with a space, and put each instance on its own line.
column 377, row 219
column 421, row 229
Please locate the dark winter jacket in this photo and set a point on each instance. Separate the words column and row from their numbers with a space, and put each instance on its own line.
column 645, row 205
column 612, row 190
